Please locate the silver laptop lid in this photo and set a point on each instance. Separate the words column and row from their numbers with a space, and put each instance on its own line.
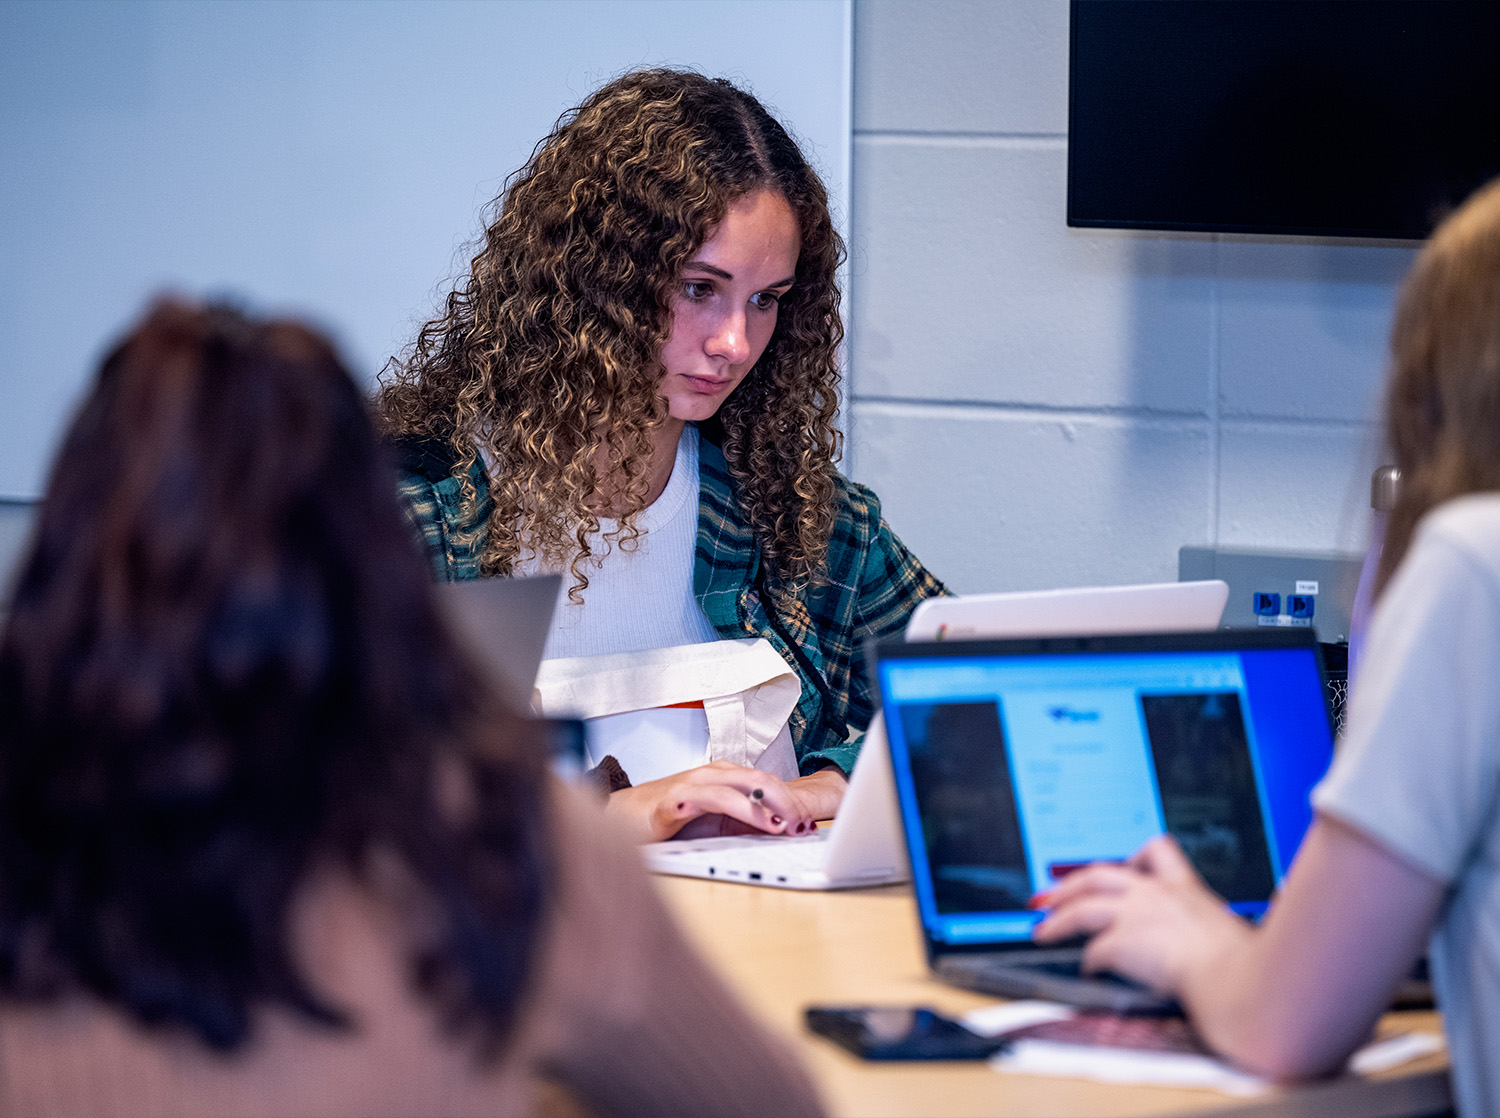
column 504, row 623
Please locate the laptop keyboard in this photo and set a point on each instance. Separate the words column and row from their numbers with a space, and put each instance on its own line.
column 1062, row 968
column 797, row 852
column 1059, row 965
column 1073, row 968
column 755, row 856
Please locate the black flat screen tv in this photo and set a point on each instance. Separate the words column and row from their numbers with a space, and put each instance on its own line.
column 1351, row 118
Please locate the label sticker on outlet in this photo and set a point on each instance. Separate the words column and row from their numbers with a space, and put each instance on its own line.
column 1307, row 586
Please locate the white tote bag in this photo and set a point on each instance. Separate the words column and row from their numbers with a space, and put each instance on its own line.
column 664, row 710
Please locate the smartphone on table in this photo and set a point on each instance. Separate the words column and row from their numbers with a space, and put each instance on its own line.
column 874, row 1032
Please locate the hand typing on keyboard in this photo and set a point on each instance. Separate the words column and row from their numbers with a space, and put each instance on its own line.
column 1145, row 917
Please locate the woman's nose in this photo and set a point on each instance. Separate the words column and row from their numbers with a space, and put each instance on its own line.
column 728, row 340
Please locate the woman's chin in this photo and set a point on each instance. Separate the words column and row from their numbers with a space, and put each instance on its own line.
column 694, row 410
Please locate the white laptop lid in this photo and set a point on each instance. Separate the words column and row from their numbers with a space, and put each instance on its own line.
column 866, row 842
column 1155, row 607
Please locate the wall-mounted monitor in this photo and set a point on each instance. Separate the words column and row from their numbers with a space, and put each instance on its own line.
column 1351, row 118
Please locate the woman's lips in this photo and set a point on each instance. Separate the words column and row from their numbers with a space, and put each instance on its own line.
column 707, row 385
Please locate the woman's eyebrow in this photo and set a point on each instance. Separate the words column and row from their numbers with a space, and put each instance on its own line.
column 709, row 268
column 722, row 274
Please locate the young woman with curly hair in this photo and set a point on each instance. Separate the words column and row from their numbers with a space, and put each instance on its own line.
column 653, row 317
column 267, row 845
column 1404, row 851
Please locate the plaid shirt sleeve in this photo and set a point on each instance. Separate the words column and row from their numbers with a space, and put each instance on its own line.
column 876, row 583
column 450, row 529
column 873, row 583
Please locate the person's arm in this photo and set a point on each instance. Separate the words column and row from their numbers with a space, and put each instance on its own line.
column 1290, row 998
column 875, row 583
column 863, row 552
column 892, row 583
column 633, row 1020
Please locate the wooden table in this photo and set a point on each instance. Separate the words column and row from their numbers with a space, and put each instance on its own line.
column 783, row 950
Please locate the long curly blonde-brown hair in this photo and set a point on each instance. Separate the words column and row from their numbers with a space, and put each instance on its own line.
column 547, row 355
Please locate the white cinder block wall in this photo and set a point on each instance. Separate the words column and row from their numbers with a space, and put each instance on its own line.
column 1039, row 406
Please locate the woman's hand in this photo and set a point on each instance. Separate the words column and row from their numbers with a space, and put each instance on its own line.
column 728, row 799
column 1151, row 919
column 1289, row 998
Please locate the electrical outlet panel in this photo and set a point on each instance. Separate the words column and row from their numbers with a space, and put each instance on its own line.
column 1280, row 588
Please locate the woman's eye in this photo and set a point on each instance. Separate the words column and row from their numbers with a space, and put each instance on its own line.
column 697, row 289
column 765, row 300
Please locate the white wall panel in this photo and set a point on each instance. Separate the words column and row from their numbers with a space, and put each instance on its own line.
column 1304, row 327
column 991, row 500
column 1221, row 389
column 1296, row 487
column 994, row 66
column 326, row 158
column 968, row 286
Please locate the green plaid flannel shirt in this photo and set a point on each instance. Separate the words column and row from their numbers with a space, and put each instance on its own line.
column 873, row 584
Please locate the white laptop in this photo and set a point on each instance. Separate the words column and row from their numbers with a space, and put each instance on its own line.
column 862, row 847
column 1154, row 607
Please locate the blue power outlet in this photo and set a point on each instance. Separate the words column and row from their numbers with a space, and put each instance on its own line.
column 1300, row 605
column 1266, row 605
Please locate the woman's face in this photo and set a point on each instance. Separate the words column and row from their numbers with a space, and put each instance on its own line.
column 726, row 303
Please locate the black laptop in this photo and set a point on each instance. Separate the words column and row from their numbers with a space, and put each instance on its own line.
column 1019, row 761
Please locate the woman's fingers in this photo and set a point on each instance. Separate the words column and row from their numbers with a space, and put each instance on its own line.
column 1080, row 917
column 699, row 798
column 769, row 803
column 754, row 799
column 1102, row 877
column 1161, row 857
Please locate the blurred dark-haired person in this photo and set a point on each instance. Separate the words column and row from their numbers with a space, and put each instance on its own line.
column 1404, row 851
column 266, row 844
column 637, row 384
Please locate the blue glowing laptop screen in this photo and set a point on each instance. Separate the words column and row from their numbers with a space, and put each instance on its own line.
column 1013, row 770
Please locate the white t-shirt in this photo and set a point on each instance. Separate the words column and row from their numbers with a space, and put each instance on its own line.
column 1418, row 768
column 636, row 600
column 641, row 598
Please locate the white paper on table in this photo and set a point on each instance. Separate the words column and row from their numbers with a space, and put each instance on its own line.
column 1391, row 1051
column 1089, row 1061
column 1007, row 1017
column 1124, row 1065
column 1169, row 1069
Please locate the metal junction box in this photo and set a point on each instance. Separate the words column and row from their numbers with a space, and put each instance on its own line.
column 1282, row 588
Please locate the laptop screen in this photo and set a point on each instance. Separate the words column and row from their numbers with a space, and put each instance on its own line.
column 1019, row 761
